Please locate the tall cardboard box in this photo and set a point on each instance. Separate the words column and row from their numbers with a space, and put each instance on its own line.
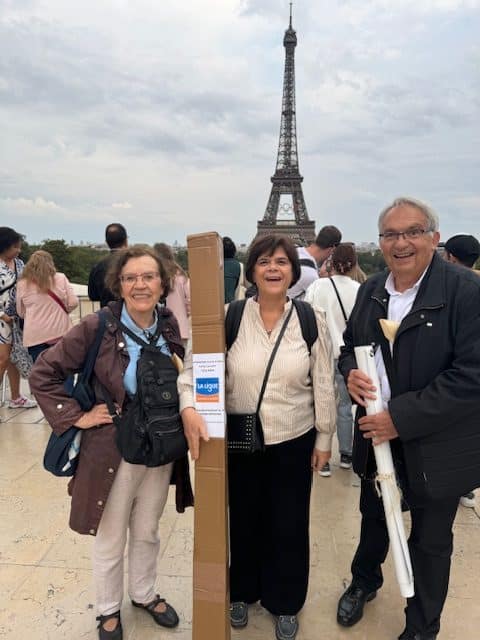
column 210, row 551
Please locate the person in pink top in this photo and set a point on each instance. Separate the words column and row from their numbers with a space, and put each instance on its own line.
column 44, row 300
column 178, row 297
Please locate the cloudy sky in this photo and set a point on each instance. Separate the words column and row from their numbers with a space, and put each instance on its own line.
column 164, row 115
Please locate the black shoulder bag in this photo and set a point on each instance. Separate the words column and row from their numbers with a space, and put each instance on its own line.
column 58, row 459
column 244, row 430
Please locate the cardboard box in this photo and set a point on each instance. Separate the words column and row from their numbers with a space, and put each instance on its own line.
column 211, row 598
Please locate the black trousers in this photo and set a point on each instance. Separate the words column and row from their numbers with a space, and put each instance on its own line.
column 269, row 495
column 430, row 544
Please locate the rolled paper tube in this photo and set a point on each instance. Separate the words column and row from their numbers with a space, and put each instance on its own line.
column 177, row 362
column 389, row 328
column 386, row 479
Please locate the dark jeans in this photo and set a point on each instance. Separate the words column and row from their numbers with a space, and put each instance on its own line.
column 269, row 495
column 430, row 544
column 36, row 350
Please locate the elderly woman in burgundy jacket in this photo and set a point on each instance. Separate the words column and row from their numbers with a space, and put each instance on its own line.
column 109, row 495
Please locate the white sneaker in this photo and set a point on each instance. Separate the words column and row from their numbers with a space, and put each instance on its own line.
column 22, row 402
column 468, row 500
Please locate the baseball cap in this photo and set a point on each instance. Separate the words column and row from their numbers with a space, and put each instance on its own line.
column 464, row 247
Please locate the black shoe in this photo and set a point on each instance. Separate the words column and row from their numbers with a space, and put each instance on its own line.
column 167, row 618
column 116, row 634
column 412, row 635
column 345, row 461
column 350, row 605
column 238, row 614
column 286, row 627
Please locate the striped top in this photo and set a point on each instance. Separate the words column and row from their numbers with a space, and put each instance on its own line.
column 300, row 391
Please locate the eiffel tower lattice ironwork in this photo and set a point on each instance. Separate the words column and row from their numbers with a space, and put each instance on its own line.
column 287, row 180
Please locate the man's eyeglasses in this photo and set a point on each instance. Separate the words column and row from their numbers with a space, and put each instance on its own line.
column 147, row 278
column 409, row 234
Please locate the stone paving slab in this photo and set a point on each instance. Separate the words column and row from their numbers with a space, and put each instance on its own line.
column 45, row 569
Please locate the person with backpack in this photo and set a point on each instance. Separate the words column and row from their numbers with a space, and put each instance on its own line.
column 335, row 295
column 136, row 407
column 280, row 380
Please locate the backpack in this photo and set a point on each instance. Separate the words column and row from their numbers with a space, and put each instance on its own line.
column 306, row 316
column 150, row 430
column 308, row 262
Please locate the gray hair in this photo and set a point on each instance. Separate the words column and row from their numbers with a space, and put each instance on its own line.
column 428, row 212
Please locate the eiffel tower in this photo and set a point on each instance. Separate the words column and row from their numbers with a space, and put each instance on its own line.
column 286, row 211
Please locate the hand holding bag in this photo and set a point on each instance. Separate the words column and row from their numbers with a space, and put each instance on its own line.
column 244, row 430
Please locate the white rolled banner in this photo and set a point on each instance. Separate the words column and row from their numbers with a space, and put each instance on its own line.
column 386, row 478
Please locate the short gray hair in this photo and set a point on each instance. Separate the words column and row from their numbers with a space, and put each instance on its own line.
column 428, row 212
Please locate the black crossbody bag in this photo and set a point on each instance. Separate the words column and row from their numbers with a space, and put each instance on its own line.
column 150, row 430
column 244, row 430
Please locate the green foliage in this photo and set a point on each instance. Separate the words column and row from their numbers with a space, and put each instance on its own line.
column 181, row 256
column 75, row 262
column 371, row 262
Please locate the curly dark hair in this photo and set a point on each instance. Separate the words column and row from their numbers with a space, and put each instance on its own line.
column 267, row 245
column 120, row 259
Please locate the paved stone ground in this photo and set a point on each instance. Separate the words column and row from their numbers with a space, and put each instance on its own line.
column 45, row 574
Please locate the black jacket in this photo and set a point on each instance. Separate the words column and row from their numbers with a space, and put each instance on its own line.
column 434, row 375
column 97, row 291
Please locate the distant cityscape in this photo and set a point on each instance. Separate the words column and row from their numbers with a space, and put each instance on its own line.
column 361, row 247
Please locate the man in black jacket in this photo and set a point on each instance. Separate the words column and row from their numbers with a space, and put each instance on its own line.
column 116, row 238
column 430, row 387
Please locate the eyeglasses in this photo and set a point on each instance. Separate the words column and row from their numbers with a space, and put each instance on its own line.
column 278, row 262
column 409, row 234
column 147, row 278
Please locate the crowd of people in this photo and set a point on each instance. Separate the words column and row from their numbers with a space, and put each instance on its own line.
column 291, row 370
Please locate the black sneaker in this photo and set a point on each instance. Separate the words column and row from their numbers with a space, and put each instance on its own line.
column 345, row 461
column 325, row 471
column 238, row 614
column 286, row 627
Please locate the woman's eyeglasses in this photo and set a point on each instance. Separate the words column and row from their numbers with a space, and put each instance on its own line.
column 147, row 278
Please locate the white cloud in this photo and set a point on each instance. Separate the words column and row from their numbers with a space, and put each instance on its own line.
column 175, row 107
column 37, row 203
column 121, row 205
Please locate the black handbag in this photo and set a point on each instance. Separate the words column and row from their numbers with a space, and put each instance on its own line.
column 244, row 430
column 56, row 458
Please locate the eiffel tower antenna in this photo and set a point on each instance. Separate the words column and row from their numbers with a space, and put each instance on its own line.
column 286, row 195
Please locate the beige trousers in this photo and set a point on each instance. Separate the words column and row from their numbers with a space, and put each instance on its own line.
column 135, row 503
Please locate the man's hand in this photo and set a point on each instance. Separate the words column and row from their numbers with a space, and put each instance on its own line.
column 98, row 414
column 195, row 428
column 360, row 387
column 320, row 459
column 378, row 427
column 6, row 318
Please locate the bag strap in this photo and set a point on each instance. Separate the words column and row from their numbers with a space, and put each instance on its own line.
column 339, row 300
column 308, row 262
column 57, row 300
column 10, row 286
column 233, row 320
column 308, row 322
column 306, row 316
column 92, row 352
column 272, row 356
column 152, row 340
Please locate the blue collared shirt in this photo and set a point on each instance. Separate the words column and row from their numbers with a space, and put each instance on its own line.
column 133, row 348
